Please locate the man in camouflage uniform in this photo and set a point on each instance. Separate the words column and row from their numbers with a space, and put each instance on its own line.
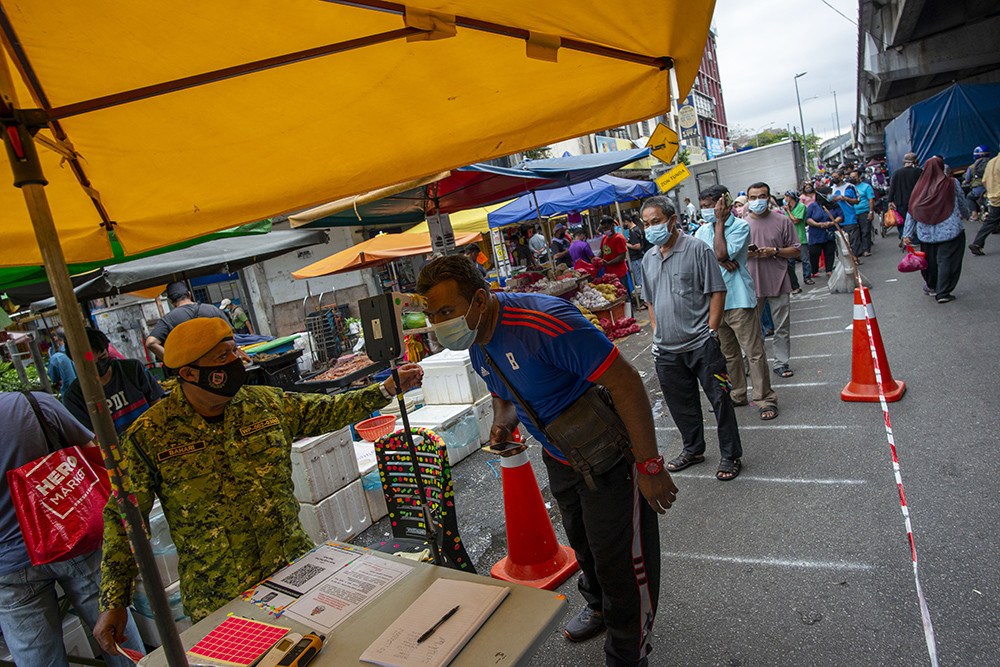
column 217, row 455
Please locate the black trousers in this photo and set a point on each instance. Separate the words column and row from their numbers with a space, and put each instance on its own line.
column 865, row 232
column 679, row 374
column 616, row 537
column 944, row 264
column 827, row 249
column 854, row 238
column 990, row 225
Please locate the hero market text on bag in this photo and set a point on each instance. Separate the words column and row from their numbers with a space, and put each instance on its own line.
column 59, row 499
column 589, row 433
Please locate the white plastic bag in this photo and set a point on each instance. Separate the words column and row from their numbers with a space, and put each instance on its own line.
column 843, row 281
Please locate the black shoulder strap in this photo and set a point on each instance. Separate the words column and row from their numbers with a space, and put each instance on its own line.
column 153, row 470
column 517, row 396
column 52, row 441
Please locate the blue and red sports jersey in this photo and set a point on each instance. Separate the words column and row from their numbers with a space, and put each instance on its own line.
column 549, row 351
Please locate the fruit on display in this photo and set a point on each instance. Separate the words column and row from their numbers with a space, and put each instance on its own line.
column 591, row 299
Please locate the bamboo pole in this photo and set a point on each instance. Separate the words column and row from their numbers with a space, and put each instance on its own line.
column 313, row 214
column 107, row 437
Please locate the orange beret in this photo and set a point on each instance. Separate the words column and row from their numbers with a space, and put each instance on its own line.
column 191, row 340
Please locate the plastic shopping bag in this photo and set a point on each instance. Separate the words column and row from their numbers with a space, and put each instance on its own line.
column 59, row 499
column 843, row 281
column 891, row 219
column 912, row 261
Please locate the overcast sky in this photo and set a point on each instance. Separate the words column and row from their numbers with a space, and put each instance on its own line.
column 763, row 44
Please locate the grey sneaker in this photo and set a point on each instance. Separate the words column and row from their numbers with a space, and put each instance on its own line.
column 588, row 623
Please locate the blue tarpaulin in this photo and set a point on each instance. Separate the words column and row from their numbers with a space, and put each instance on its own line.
column 950, row 124
column 597, row 192
column 579, row 168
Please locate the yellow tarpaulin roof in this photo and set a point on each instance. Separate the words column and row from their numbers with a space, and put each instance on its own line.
column 377, row 250
column 167, row 121
column 462, row 222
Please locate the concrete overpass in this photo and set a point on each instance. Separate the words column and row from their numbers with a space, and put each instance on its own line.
column 909, row 50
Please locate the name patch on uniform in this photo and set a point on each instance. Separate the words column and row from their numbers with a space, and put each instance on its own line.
column 181, row 450
column 259, row 426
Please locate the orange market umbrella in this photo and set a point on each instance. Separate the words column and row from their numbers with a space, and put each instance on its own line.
column 377, row 250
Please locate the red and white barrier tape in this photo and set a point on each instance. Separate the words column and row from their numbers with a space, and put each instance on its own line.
column 925, row 614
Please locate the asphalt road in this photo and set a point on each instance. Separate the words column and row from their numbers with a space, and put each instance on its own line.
column 804, row 559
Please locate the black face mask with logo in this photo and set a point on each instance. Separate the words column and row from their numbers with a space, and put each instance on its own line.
column 223, row 380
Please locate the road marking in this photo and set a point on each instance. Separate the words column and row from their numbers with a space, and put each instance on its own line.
column 812, row 356
column 892, row 280
column 819, row 319
column 642, row 351
column 779, row 562
column 779, row 480
column 810, row 308
column 821, row 333
column 795, row 427
column 800, row 384
column 849, row 327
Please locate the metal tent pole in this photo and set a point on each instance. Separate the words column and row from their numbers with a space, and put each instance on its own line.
column 27, row 170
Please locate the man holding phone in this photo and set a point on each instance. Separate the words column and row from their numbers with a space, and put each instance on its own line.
column 774, row 241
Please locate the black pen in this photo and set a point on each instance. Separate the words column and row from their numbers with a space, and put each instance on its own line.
column 424, row 637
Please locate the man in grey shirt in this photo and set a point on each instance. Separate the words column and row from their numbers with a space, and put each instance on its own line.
column 683, row 284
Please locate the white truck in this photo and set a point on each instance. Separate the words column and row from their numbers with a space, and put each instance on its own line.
column 779, row 165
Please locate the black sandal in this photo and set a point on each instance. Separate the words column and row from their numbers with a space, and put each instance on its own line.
column 772, row 408
column 728, row 469
column 784, row 371
column 684, row 460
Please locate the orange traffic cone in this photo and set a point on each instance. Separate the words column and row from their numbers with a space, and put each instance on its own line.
column 534, row 557
column 863, row 386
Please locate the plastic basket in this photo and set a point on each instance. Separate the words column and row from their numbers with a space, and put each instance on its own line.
column 376, row 427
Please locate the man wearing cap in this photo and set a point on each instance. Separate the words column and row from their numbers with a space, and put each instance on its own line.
column 183, row 308
column 217, row 455
column 238, row 316
column 560, row 246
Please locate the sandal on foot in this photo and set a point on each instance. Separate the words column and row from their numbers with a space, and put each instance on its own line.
column 773, row 409
column 728, row 469
column 809, row 281
column 684, row 460
column 784, row 371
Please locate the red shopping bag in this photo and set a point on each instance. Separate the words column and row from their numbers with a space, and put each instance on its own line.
column 912, row 261
column 59, row 499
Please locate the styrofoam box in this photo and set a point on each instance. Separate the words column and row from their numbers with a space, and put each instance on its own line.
column 449, row 379
column 167, row 564
column 414, row 399
column 456, row 424
column 374, row 495
column 339, row 517
column 483, row 409
column 364, row 453
column 75, row 638
column 147, row 628
column 322, row 465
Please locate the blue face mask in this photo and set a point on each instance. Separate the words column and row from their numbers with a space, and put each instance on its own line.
column 708, row 215
column 758, row 206
column 659, row 234
column 455, row 334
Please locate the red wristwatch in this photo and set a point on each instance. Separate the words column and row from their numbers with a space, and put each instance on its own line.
column 652, row 466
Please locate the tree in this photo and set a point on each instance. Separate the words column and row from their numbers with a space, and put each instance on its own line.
column 538, row 153
column 684, row 157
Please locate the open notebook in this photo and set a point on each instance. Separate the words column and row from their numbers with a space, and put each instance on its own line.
column 398, row 647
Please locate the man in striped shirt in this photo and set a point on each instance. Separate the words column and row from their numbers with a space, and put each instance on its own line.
column 551, row 355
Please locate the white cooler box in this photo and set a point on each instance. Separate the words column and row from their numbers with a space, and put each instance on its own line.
column 323, row 464
column 456, row 424
column 370, row 480
column 148, row 632
column 340, row 517
column 483, row 410
column 449, row 379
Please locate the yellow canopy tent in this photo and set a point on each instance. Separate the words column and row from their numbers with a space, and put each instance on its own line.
column 470, row 220
column 166, row 122
column 375, row 251
column 161, row 122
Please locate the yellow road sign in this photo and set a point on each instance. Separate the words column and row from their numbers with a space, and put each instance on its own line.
column 672, row 177
column 664, row 143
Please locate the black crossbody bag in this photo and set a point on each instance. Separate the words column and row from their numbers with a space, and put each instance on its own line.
column 589, row 433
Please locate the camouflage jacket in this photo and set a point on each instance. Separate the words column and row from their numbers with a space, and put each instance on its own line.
column 226, row 489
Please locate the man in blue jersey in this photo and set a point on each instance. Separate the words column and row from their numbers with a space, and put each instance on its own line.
column 552, row 355
column 128, row 386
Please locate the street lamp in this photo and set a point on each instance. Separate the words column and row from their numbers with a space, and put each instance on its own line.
column 802, row 124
